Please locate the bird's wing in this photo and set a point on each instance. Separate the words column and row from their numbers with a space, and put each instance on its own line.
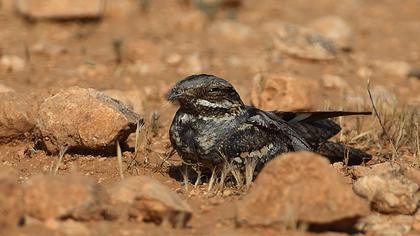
column 260, row 135
column 294, row 117
column 274, row 125
column 315, row 127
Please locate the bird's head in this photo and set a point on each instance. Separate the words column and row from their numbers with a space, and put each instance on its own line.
column 205, row 94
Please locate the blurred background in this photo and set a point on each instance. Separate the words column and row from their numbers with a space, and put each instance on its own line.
column 281, row 54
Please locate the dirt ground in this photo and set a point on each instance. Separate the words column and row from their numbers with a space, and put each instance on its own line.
column 148, row 50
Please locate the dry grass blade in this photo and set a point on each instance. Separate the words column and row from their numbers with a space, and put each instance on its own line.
column 133, row 165
column 250, row 165
column 394, row 149
column 212, row 180
column 119, row 160
column 63, row 150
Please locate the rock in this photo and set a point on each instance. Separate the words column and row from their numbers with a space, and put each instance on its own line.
column 283, row 92
column 5, row 89
column 334, row 82
column 11, row 197
column 173, row 59
column 133, row 99
column 151, row 201
column 300, row 42
column 194, row 21
column 17, row 115
column 285, row 193
column 389, row 193
column 192, row 64
column 48, row 49
column 414, row 72
column 61, row 9
column 12, row 63
column 335, row 29
column 386, row 225
column 84, row 119
column 231, row 32
column 69, row 196
column 377, row 169
column 395, row 68
column 145, row 54
column 68, row 227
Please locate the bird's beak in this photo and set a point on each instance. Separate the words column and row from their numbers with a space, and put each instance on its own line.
column 173, row 95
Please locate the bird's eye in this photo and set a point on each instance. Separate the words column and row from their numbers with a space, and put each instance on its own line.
column 213, row 90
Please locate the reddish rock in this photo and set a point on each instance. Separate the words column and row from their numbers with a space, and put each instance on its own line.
column 231, row 32
column 61, row 9
column 284, row 92
column 11, row 63
column 389, row 192
column 11, row 198
column 301, row 187
column 300, row 42
column 17, row 114
column 84, row 119
column 149, row 200
column 72, row 196
column 334, row 28
column 386, row 224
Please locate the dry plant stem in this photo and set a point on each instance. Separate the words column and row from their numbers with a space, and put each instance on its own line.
column 198, row 180
column 119, row 159
column 185, row 177
column 395, row 153
column 212, row 179
column 133, row 162
column 63, row 150
column 249, row 172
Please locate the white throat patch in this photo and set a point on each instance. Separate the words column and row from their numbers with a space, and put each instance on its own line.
column 205, row 103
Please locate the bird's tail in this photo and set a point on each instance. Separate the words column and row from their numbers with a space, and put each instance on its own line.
column 336, row 151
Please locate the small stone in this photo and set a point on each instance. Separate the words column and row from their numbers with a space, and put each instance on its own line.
column 48, row 49
column 386, row 224
column 12, row 63
column 61, row 9
column 192, row 64
column 194, row 21
column 5, row 89
column 377, row 169
column 389, row 193
column 173, row 59
column 414, row 72
column 11, row 197
column 284, row 193
column 17, row 115
column 72, row 196
column 335, row 28
column 151, row 201
column 231, row 32
column 283, row 92
column 82, row 118
column 396, row 68
column 334, row 82
column 300, row 42
column 68, row 227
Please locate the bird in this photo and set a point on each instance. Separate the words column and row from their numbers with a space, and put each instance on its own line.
column 213, row 126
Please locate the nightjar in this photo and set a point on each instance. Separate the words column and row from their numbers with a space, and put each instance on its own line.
column 213, row 126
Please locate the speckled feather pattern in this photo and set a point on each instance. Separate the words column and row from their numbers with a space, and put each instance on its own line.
column 213, row 124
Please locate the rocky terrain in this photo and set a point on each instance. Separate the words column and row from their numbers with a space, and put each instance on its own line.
column 84, row 147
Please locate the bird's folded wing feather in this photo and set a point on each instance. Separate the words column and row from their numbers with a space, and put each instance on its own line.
column 274, row 125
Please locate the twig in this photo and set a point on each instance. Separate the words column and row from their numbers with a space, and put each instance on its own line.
column 119, row 159
column 381, row 123
column 63, row 150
